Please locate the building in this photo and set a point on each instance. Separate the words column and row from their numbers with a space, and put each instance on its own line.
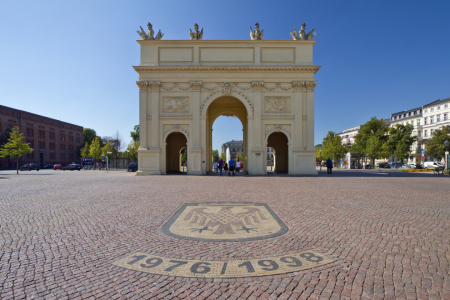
column 235, row 147
column 53, row 141
column 435, row 115
column 348, row 135
column 184, row 85
column 414, row 118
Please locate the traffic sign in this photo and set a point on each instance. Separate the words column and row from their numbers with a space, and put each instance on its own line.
column 423, row 152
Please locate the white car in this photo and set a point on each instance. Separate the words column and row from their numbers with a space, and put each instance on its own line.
column 432, row 165
column 411, row 166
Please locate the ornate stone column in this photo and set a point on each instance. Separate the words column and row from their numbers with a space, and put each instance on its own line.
column 297, row 135
column 155, row 115
column 257, row 132
column 310, row 86
column 142, row 114
column 196, row 149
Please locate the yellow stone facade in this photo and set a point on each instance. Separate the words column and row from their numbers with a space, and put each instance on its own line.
column 185, row 85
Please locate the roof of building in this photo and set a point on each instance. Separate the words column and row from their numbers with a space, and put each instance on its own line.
column 437, row 102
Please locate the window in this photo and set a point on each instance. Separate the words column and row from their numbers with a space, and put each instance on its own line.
column 438, row 118
column 432, row 109
column 62, row 147
column 425, row 133
column 446, row 105
column 31, row 143
column 431, row 131
column 62, row 157
column 70, row 138
column 51, row 156
column 78, row 140
column 426, row 110
column 70, row 156
column 425, row 121
column 420, row 133
column 41, row 134
column 439, row 107
column 41, row 145
column 431, row 119
column 29, row 132
column 51, row 135
column 445, row 117
column 30, row 156
column 62, row 137
column 70, row 148
column 51, row 146
column 418, row 122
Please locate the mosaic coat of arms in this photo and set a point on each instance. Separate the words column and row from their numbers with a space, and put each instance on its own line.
column 225, row 222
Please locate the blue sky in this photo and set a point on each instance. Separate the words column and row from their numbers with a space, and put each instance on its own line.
column 73, row 60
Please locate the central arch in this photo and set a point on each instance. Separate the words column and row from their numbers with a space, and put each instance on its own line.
column 226, row 105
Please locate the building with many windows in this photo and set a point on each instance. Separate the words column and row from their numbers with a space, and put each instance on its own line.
column 235, row 147
column 435, row 115
column 53, row 141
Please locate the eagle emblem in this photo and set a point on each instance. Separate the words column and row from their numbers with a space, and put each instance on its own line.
column 225, row 221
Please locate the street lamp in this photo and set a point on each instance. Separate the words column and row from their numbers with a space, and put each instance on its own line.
column 107, row 161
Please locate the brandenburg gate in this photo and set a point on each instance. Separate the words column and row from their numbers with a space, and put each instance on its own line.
column 185, row 85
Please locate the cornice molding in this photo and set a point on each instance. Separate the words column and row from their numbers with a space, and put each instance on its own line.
column 304, row 69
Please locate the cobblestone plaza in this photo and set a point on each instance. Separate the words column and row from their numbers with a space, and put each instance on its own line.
column 98, row 235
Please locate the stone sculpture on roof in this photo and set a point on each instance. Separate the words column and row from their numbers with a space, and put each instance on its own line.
column 149, row 36
column 302, row 34
column 196, row 35
column 256, row 35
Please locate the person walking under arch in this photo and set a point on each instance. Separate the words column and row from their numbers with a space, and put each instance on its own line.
column 231, row 167
column 329, row 165
column 220, row 166
column 238, row 166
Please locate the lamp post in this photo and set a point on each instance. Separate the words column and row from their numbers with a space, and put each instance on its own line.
column 107, row 161
column 446, row 154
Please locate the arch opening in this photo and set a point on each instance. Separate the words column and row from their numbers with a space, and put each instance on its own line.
column 278, row 141
column 227, row 106
column 175, row 143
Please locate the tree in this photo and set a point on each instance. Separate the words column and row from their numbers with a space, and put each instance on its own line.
column 215, row 154
column 399, row 141
column 332, row 146
column 183, row 155
column 95, row 150
column 135, row 134
column 88, row 135
column 107, row 148
column 374, row 130
column 85, row 151
column 435, row 147
column 318, row 154
column 223, row 156
column 132, row 150
column 15, row 147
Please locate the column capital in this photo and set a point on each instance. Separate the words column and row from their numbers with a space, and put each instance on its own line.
column 142, row 85
column 195, row 85
column 154, row 85
column 257, row 85
column 298, row 85
column 311, row 85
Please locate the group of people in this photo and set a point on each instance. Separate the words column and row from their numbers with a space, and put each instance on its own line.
column 232, row 167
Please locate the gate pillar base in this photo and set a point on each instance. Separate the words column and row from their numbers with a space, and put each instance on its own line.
column 304, row 162
column 149, row 162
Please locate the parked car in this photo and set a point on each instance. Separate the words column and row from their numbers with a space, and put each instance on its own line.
column 29, row 167
column 432, row 165
column 49, row 166
column 72, row 167
column 395, row 165
column 411, row 166
column 57, row 167
column 133, row 167
column 384, row 166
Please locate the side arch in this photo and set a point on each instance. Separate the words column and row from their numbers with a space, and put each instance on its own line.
column 278, row 128
column 241, row 97
column 176, row 128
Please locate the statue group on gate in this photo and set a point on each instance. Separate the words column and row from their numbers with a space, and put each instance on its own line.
column 149, row 36
column 254, row 34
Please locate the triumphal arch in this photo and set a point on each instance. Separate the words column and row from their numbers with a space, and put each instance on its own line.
column 184, row 85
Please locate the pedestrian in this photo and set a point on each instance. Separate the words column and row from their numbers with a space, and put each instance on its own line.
column 215, row 167
column 220, row 166
column 225, row 167
column 364, row 165
column 329, row 165
column 238, row 166
column 231, row 167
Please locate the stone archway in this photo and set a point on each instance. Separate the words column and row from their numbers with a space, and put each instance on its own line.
column 175, row 142
column 225, row 106
column 280, row 143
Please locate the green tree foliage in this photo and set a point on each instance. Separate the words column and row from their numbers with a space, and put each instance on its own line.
column 183, row 155
column 399, row 141
column 375, row 131
column 88, row 135
column 108, row 148
column 85, row 151
column 95, row 150
column 223, row 156
column 15, row 147
column 435, row 147
column 318, row 155
column 135, row 134
column 132, row 150
column 332, row 146
column 215, row 154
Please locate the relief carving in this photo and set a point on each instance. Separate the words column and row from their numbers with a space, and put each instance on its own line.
column 176, row 104
column 278, row 104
